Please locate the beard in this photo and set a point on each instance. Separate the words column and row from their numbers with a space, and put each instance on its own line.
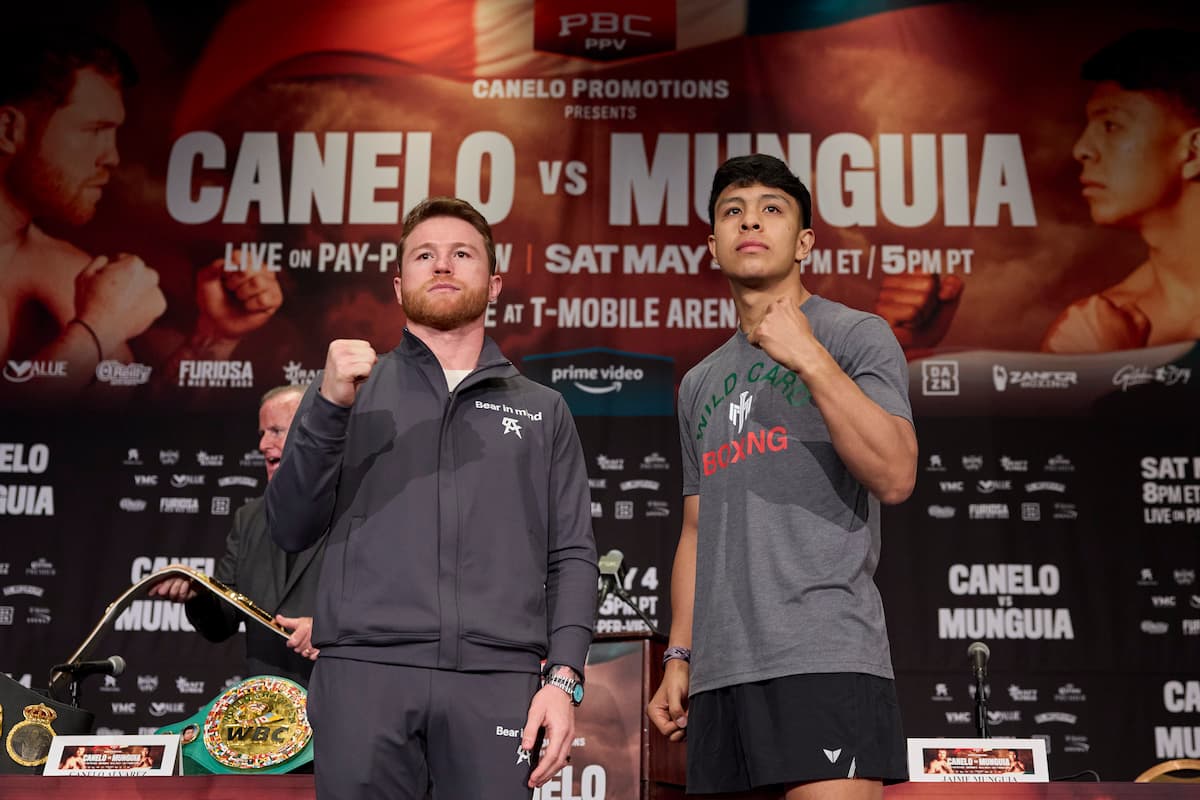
column 48, row 193
column 445, row 312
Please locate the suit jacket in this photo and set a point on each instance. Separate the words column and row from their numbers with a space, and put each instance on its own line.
column 256, row 566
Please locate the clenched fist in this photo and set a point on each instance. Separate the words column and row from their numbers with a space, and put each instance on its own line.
column 784, row 333
column 919, row 307
column 347, row 364
column 233, row 304
column 118, row 299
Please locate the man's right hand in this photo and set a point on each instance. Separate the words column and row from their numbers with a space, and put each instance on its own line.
column 174, row 588
column 668, row 708
column 118, row 299
column 347, row 365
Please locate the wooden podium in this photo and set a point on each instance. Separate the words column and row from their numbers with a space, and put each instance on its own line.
column 638, row 761
column 664, row 761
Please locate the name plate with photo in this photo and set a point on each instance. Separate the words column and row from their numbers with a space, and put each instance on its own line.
column 966, row 760
column 112, row 756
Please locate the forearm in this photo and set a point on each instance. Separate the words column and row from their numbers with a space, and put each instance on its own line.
column 668, row 708
column 571, row 569
column 300, row 498
column 571, row 610
column 683, row 577
column 879, row 448
column 215, row 620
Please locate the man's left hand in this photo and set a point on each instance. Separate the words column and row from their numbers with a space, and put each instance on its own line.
column 173, row 588
column 301, row 638
column 551, row 709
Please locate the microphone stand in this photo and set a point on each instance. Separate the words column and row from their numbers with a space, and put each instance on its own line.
column 606, row 585
column 73, row 686
column 619, row 590
column 981, row 720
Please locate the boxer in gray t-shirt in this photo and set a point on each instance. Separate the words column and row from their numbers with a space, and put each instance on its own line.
column 792, row 433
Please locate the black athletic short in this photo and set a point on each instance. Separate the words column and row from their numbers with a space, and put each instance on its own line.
column 794, row 729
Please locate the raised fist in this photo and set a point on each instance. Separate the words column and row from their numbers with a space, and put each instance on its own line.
column 785, row 334
column 347, row 364
column 233, row 304
column 919, row 307
column 118, row 299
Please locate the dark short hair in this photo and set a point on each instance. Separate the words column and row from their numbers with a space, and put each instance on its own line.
column 1152, row 59
column 40, row 64
column 763, row 169
column 450, row 207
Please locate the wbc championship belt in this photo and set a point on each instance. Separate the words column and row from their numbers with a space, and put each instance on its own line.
column 29, row 721
column 201, row 582
column 259, row 725
column 29, row 741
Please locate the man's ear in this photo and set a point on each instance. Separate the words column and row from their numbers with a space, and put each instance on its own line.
column 804, row 243
column 1191, row 162
column 12, row 129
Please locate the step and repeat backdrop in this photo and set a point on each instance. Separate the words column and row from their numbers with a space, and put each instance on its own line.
column 1028, row 224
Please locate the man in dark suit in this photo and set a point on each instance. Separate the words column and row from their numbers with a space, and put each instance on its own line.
column 284, row 584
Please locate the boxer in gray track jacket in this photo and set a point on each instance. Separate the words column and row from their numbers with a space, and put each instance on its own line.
column 460, row 553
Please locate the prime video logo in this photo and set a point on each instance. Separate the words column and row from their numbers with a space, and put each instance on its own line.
column 599, row 380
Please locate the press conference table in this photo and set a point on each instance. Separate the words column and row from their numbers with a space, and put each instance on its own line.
column 300, row 787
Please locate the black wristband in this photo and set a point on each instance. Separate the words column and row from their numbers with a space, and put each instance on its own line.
column 95, row 338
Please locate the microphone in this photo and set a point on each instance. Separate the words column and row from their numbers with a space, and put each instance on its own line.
column 612, row 573
column 612, row 563
column 612, row 579
column 977, row 655
column 113, row 665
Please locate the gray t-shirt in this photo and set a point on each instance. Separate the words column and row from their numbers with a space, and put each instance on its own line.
column 788, row 539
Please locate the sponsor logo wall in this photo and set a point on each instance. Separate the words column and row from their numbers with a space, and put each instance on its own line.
column 1083, row 602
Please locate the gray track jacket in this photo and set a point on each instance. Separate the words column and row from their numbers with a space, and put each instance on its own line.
column 460, row 522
